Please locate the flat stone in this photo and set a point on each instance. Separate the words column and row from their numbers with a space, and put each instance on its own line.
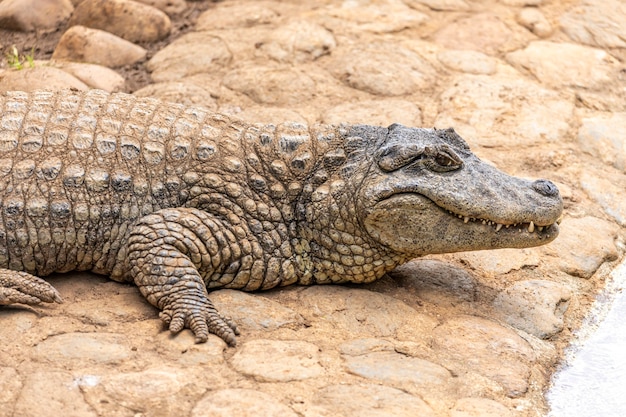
column 268, row 85
column 502, row 261
column 440, row 5
column 11, row 388
column 521, row 3
column 479, row 32
column 375, row 68
column 193, row 53
column 354, row 312
column 238, row 15
column 95, row 46
column 182, row 349
column 31, row 15
column 362, row 346
column 534, row 306
column 240, row 403
column 264, row 114
column 479, row 407
column 487, row 348
column 503, row 110
column 369, row 400
column 609, row 193
column 471, row 62
column 375, row 112
column 298, row 41
column 254, row 311
column 386, row 16
column 150, row 390
column 400, row 371
column 127, row 19
column 39, row 78
column 431, row 278
column 583, row 245
column 278, row 361
column 597, row 24
column 95, row 76
column 84, row 347
column 170, row 7
column 179, row 92
column 52, row 393
column 532, row 19
column 603, row 135
column 566, row 64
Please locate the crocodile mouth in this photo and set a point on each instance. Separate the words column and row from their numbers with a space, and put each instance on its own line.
column 533, row 227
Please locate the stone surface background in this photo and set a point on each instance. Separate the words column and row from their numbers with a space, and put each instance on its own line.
column 537, row 87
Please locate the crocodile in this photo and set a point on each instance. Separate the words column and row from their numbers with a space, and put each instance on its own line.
column 181, row 200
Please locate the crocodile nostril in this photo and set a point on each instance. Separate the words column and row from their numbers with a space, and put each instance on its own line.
column 545, row 188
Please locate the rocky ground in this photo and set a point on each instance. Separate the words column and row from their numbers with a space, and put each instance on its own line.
column 538, row 87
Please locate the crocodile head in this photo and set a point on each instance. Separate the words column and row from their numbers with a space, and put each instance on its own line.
column 426, row 192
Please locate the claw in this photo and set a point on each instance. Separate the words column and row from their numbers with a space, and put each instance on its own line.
column 24, row 288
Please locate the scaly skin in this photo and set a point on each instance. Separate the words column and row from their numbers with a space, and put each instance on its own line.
column 180, row 201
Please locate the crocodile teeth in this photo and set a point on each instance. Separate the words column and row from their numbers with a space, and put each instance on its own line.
column 531, row 227
column 465, row 219
column 498, row 227
column 540, row 228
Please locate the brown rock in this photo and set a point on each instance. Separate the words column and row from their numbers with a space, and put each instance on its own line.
column 480, row 32
column 170, row 7
column 97, row 47
column 39, row 78
column 179, row 92
column 479, row 407
column 298, row 41
column 127, row 19
column 375, row 112
column 30, row 15
column 95, row 76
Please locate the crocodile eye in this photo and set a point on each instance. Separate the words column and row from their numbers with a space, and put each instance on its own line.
column 444, row 159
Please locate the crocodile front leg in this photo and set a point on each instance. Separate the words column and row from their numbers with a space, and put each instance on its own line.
column 24, row 288
column 167, row 250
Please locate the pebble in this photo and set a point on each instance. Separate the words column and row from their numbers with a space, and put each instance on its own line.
column 370, row 400
column 133, row 21
column 95, row 76
column 532, row 19
column 277, row 360
column 31, row 15
column 603, row 135
column 371, row 67
column 298, row 41
column 583, row 261
column 433, row 280
column 240, row 403
column 534, row 306
column 502, row 110
column 95, row 46
column 596, row 24
column 479, row 407
column 192, row 53
column 375, row 112
column 569, row 65
column 487, row 348
column 39, row 78
column 471, row 62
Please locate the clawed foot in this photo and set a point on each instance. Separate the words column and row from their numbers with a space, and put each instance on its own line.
column 198, row 314
column 24, row 288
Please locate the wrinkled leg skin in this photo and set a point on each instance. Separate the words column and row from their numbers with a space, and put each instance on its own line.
column 24, row 288
column 165, row 251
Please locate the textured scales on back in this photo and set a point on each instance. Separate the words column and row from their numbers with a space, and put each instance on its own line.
column 181, row 200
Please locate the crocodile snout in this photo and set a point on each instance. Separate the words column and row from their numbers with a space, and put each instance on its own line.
column 545, row 188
